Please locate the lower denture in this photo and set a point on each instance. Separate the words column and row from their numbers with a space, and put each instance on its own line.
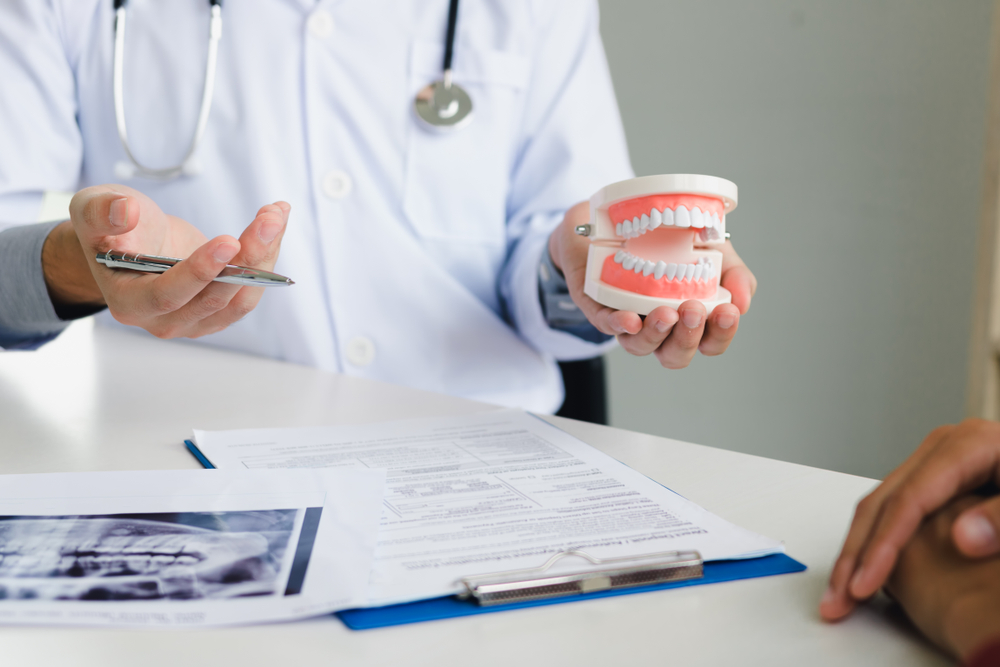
column 616, row 275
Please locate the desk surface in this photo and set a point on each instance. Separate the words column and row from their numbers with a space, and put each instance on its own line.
column 61, row 409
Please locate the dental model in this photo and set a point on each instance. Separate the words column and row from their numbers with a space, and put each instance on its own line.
column 652, row 242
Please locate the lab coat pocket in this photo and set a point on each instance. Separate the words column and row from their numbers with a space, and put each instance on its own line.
column 457, row 180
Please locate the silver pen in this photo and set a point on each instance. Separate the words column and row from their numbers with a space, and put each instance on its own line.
column 236, row 275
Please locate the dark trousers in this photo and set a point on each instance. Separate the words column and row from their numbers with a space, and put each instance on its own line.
column 586, row 391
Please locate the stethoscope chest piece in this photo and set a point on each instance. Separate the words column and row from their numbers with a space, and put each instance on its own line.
column 443, row 105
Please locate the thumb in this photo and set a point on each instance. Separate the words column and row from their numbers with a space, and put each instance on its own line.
column 975, row 531
column 99, row 212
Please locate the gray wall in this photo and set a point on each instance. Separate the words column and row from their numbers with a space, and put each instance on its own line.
column 854, row 130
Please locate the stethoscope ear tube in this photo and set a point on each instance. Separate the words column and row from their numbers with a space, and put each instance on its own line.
column 214, row 35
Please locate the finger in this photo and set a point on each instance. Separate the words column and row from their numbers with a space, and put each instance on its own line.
column 969, row 459
column 261, row 240
column 155, row 296
column 975, row 532
column 239, row 307
column 99, row 212
column 608, row 321
column 720, row 329
column 737, row 278
column 654, row 331
column 188, row 319
column 682, row 343
column 837, row 601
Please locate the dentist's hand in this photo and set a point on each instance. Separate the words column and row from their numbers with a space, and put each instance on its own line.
column 673, row 336
column 180, row 302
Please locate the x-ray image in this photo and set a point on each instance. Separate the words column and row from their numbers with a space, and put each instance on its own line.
column 178, row 556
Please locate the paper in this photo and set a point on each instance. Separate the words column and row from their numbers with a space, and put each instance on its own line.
column 489, row 492
column 183, row 548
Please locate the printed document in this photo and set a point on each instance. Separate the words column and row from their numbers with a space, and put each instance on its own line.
column 185, row 548
column 489, row 492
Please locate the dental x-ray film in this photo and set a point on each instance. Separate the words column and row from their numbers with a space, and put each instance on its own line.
column 185, row 548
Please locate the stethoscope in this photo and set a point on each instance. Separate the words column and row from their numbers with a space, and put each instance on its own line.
column 440, row 106
column 133, row 166
column 444, row 105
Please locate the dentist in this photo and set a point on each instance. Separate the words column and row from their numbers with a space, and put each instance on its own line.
column 425, row 258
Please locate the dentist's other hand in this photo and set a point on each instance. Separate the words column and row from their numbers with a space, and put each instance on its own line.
column 673, row 336
column 182, row 301
column 951, row 462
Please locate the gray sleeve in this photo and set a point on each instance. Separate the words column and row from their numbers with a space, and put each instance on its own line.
column 27, row 316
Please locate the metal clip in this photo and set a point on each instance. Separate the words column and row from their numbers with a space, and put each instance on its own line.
column 611, row 573
column 583, row 230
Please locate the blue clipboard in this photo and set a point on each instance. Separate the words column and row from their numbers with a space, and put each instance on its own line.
column 437, row 609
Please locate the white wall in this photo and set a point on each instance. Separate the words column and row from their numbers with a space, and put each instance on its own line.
column 854, row 130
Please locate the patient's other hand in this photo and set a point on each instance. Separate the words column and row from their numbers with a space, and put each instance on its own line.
column 951, row 598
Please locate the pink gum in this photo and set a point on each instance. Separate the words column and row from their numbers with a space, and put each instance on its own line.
column 631, row 208
column 617, row 276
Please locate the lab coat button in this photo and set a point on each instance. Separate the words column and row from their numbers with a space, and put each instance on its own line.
column 320, row 24
column 337, row 185
column 361, row 351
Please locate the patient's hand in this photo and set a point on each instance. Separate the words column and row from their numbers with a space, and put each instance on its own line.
column 953, row 599
column 673, row 336
column 950, row 463
column 182, row 301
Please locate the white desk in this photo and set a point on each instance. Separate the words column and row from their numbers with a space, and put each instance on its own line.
column 64, row 409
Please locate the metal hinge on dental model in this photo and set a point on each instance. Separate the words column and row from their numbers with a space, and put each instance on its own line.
column 611, row 573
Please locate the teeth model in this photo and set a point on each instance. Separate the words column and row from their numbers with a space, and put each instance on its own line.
column 655, row 241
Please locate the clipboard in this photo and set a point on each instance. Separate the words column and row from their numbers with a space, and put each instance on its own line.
column 453, row 606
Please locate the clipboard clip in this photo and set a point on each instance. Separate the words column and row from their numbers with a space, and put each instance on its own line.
column 611, row 573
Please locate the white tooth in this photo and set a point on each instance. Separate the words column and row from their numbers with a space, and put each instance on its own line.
column 635, row 226
column 698, row 270
column 697, row 218
column 639, row 264
column 709, row 273
column 648, row 268
column 671, row 271
column 689, row 273
column 659, row 270
column 715, row 220
column 668, row 217
column 644, row 222
column 627, row 228
column 682, row 218
column 618, row 229
column 619, row 256
column 655, row 218
column 629, row 262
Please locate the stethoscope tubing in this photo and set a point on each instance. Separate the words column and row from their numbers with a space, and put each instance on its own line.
column 208, row 89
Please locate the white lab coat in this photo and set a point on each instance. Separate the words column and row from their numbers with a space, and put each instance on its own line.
column 415, row 254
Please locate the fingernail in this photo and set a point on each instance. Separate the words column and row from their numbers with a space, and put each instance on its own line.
column 856, row 580
column 118, row 215
column 692, row 319
column 618, row 329
column 725, row 321
column 268, row 231
column 661, row 326
column 225, row 252
column 828, row 597
column 979, row 532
